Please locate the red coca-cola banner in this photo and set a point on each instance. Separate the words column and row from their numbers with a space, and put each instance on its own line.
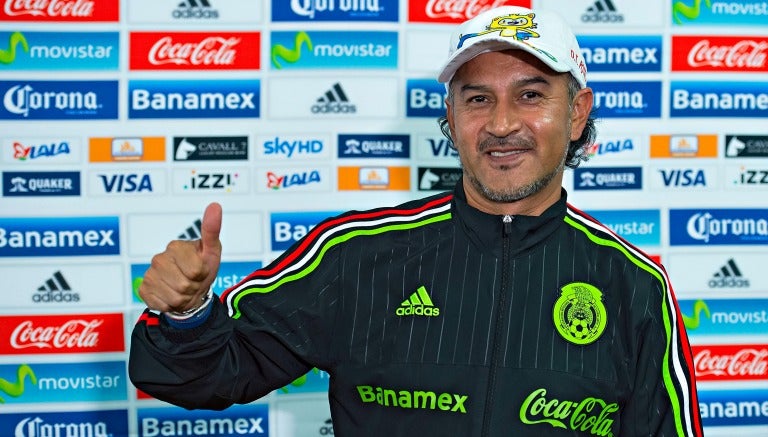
column 720, row 53
column 61, row 334
column 737, row 362
column 61, row 10
column 454, row 11
column 195, row 50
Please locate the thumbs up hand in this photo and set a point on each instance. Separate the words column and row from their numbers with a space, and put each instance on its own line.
column 179, row 278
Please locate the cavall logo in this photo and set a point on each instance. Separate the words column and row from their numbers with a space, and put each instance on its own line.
column 452, row 11
column 720, row 53
column 61, row 10
column 733, row 362
column 53, row 334
column 195, row 51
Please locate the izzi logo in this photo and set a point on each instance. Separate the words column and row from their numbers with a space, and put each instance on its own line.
column 224, row 182
column 289, row 227
column 748, row 177
column 728, row 276
column 746, row 146
column 334, row 101
column 60, row 51
column 425, row 98
column 621, row 53
column 59, row 236
column 340, row 49
column 55, row 289
column 695, row 227
column 42, row 183
column 602, row 11
column 84, row 423
column 334, row 10
column 374, row 146
column 193, row 98
column 59, row 100
column 718, row 99
column 438, row 178
column 210, row 148
column 635, row 99
column 608, row 178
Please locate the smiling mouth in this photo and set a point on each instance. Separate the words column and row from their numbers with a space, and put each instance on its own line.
column 501, row 154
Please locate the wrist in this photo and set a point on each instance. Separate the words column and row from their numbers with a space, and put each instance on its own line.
column 187, row 314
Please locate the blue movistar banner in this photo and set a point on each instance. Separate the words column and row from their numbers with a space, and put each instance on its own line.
column 725, row 316
column 60, row 51
column 634, row 99
column 59, row 236
column 64, row 382
column 733, row 407
column 235, row 421
column 718, row 99
column 341, row 49
column 638, row 226
column 719, row 13
column 621, row 53
column 58, row 100
column 194, row 98
column 424, row 98
column 289, row 227
column 695, row 227
column 334, row 10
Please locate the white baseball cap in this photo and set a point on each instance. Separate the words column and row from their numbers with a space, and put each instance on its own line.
column 541, row 33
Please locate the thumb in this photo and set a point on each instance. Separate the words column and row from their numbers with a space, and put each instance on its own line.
column 210, row 245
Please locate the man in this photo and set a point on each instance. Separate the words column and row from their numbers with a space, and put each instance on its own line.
column 497, row 309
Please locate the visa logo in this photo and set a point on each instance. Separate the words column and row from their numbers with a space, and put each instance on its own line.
column 126, row 183
column 441, row 147
column 683, row 178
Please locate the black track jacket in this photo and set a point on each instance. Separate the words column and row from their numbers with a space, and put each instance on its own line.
column 435, row 319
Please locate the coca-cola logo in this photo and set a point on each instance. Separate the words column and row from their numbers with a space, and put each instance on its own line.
column 731, row 362
column 746, row 53
column 76, row 333
column 460, row 9
column 49, row 8
column 213, row 50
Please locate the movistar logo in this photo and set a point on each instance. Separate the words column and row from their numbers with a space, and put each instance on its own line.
column 693, row 322
column 419, row 304
column 416, row 399
column 591, row 415
column 290, row 55
column 16, row 389
column 8, row 56
column 689, row 12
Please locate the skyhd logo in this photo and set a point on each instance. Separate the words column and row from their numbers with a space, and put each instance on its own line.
column 718, row 99
column 194, row 99
column 627, row 99
column 64, row 236
column 333, row 10
column 718, row 226
column 56, row 100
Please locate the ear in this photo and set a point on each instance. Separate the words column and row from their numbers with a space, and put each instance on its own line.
column 582, row 107
column 449, row 115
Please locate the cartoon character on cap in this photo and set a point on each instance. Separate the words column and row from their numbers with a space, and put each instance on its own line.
column 518, row 26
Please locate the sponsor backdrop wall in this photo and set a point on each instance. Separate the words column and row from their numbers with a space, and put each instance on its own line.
column 121, row 120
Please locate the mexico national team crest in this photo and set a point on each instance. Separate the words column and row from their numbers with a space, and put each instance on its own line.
column 579, row 313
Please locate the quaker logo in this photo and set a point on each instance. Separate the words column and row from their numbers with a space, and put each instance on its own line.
column 628, row 99
column 195, row 9
column 602, row 11
column 608, row 178
column 193, row 98
column 55, row 289
column 334, row 101
column 695, row 227
column 682, row 177
column 341, row 49
column 61, row 11
column 736, row 408
column 289, row 227
column 334, row 10
column 720, row 14
column 611, row 147
column 44, row 183
column 744, row 176
column 304, row 180
column 725, row 316
column 621, row 53
column 746, row 146
column 195, row 180
column 438, row 178
column 425, row 98
column 59, row 236
column 125, row 182
column 59, row 100
column 210, row 148
column 719, row 53
column 32, row 151
column 290, row 146
column 374, row 146
column 729, row 276
column 84, row 423
column 641, row 227
column 718, row 99
column 235, row 421
column 436, row 147
column 60, row 51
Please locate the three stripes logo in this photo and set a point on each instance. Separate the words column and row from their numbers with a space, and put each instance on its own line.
column 334, row 101
column 729, row 276
column 193, row 232
column 200, row 9
column 56, row 289
column 419, row 304
column 602, row 11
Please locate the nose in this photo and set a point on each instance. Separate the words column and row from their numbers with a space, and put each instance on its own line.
column 504, row 120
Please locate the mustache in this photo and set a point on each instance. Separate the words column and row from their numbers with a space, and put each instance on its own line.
column 506, row 143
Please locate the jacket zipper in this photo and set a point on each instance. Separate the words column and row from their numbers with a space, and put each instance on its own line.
column 495, row 355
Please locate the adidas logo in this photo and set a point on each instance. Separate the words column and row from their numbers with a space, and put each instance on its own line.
column 55, row 289
column 419, row 304
column 193, row 232
column 602, row 11
column 728, row 276
column 334, row 101
column 195, row 9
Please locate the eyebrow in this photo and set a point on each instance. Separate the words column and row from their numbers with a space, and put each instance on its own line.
column 520, row 83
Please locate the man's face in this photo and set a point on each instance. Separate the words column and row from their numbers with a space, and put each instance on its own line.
column 511, row 120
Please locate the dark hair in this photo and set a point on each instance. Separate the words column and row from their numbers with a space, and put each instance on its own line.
column 577, row 149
